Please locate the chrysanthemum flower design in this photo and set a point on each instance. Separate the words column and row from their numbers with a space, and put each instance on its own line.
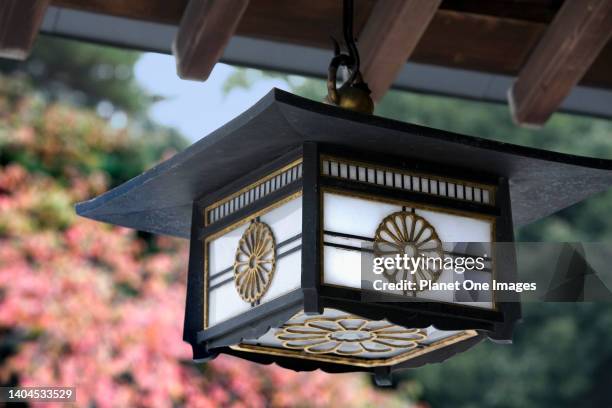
column 348, row 335
column 255, row 262
column 406, row 233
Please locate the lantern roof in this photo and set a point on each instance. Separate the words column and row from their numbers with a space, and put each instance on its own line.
column 160, row 200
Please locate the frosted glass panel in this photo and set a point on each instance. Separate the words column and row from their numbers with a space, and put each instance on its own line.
column 342, row 267
column 354, row 215
column 350, row 225
column 285, row 222
column 222, row 250
column 457, row 228
column 225, row 303
column 287, row 278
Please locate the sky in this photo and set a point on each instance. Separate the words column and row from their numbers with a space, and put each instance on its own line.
column 196, row 108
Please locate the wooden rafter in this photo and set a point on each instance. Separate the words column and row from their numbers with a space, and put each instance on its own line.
column 19, row 24
column 391, row 34
column 481, row 35
column 569, row 46
column 205, row 29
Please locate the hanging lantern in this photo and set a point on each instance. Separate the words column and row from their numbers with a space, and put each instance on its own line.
column 284, row 204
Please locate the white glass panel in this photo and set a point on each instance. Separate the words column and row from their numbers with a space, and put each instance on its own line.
column 425, row 185
column 352, row 242
column 218, row 278
column 342, row 267
column 371, row 176
column 469, row 193
column 343, row 170
column 380, row 177
column 222, row 250
column 334, row 169
column 434, row 186
column 362, row 174
column 456, row 228
column 285, row 222
column 389, row 179
column 354, row 215
column 398, row 180
column 361, row 217
column 485, row 196
column 286, row 247
column 460, row 191
column 416, row 183
column 407, row 183
column 287, row 277
column 224, row 303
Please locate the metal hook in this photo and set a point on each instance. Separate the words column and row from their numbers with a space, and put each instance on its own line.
column 349, row 39
column 354, row 94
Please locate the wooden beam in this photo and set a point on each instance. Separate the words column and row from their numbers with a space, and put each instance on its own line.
column 19, row 24
column 482, row 35
column 391, row 34
column 159, row 11
column 569, row 46
column 205, row 29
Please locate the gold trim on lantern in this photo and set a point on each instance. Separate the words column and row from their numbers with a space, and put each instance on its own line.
column 404, row 231
column 492, row 219
column 232, row 227
column 257, row 183
column 255, row 262
column 356, row 361
column 491, row 188
column 348, row 335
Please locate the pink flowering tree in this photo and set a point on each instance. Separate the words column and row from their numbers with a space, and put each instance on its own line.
column 99, row 308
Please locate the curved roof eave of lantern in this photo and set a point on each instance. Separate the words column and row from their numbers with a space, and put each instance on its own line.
column 160, row 199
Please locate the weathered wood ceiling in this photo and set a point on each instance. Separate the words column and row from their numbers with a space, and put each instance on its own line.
column 549, row 46
column 486, row 35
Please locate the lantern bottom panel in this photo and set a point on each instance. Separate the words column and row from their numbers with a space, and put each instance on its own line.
column 342, row 338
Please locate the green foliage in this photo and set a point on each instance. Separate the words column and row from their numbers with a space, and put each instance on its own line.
column 60, row 141
column 83, row 74
column 37, row 96
column 560, row 358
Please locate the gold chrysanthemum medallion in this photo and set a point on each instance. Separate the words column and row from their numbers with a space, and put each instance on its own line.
column 255, row 262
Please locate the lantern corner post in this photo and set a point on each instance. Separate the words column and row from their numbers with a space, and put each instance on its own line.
column 312, row 235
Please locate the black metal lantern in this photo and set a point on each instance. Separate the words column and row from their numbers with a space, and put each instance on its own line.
column 281, row 203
